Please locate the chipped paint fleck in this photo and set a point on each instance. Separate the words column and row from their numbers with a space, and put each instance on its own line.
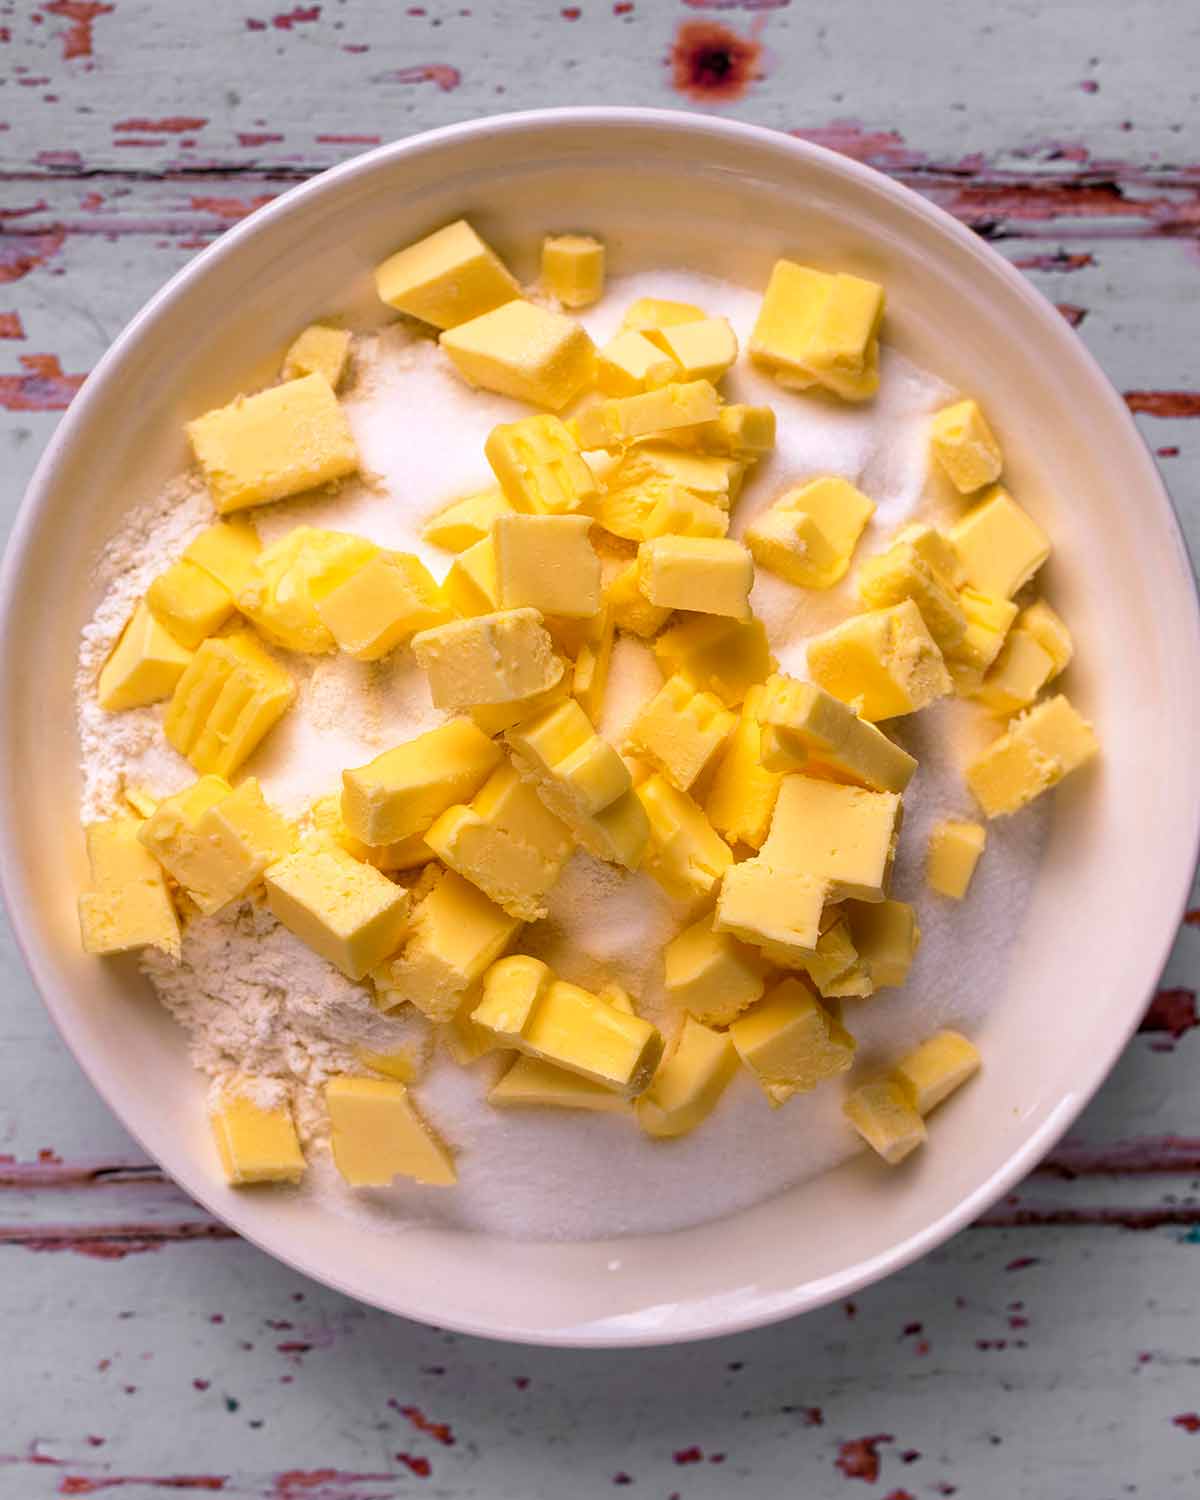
column 713, row 64
column 858, row 1458
column 1164, row 403
column 42, row 387
column 82, row 16
column 22, row 253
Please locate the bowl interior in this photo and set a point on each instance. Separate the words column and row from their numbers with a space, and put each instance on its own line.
column 663, row 191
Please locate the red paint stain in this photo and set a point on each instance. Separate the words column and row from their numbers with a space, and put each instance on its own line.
column 170, row 125
column 43, row 386
column 421, row 1467
column 231, row 209
column 1172, row 452
column 521, row 1382
column 623, row 8
column 442, row 74
column 349, row 140
column 712, row 63
column 1061, row 1216
column 1188, row 1420
column 440, row 1431
column 11, row 326
column 1073, row 313
column 910, row 1455
column 1164, row 403
column 250, row 138
column 1089, row 86
column 1173, row 1154
column 571, row 13
column 1192, row 918
column 299, row 15
column 20, row 254
column 1023, row 1262
column 878, row 148
column 83, row 15
column 850, row 1309
column 687, row 1456
column 79, row 1484
column 859, row 1458
column 1058, row 260
column 1172, row 1011
column 899, row 1495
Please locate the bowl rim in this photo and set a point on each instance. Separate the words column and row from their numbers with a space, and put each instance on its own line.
column 1095, row 1068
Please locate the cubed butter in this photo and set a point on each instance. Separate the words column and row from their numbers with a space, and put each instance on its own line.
column 589, row 681
column 455, row 933
column 1038, row 749
column 1001, row 546
column 778, row 911
column 573, row 268
column 988, row 623
column 402, row 791
column 703, row 349
column 403, row 1065
column 659, row 507
column 713, row 477
column 539, row 467
column 449, row 277
column 495, row 718
column 618, row 420
column 709, row 575
column 741, row 797
column 128, row 905
column 804, row 727
column 738, row 430
column 467, row 521
column 231, row 694
column 494, row 658
column 376, row 1135
column 882, row 1115
column 1017, row 676
column 809, row 534
column 618, row 833
column 145, row 666
column 845, row 835
column 292, row 576
column 902, row 573
column 189, row 602
column 472, row 587
column 660, row 312
column 630, row 364
column 817, row 328
column 319, row 350
column 216, row 842
column 348, row 912
column 524, row 351
column 717, row 655
column 680, row 731
column 886, row 936
column 227, row 552
column 512, row 988
column 631, row 610
column 936, row 551
column 1049, row 630
column 533, row 1083
column 711, row 975
column 965, row 446
column 684, row 852
column 575, row 771
column 255, row 1142
column 885, row 662
column 931, row 1072
column 324, row 823
column 790, row 1042
column 548, row 563
column 954, row 849
column 382, row 605
column 689, row 1082
column 280, row 442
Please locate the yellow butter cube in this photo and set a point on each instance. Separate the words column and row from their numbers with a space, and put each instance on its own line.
column 573, row 268
column 189, row 602
column 512, row 988
column 319, row 350
column 1018, row 675
column 255, row 1142
column 216, row 842
column 936, row 551
column 506, row 842
column 710, row 974
column 631, row 610
column 547, row 563
column 455, row 933
column 1050, row 631
column 449, row 277
column 703, row 349
column 382, row 605
column 348, row 912
column 834, row 957
column 472, row 586
column 660, row 312
column 494, row 658
column 965, row 446
column 842, row 834
column 882, row 1115
column 809, row 535
column 539, row 467
column 402, row 1066
column 776, row 910
column 524, row 351
column 680, row 731
column 885, row 662
column 659, row 508
column 128, row 905
column 325, row 824
column 532, row 1083
column 954, row 849
column 402, row 791
column 227, row 552
column 1001, row 546
column 901, row 573
column 145, row 666
column 290, row 579
column 230, row 695
column 1039, row 748
column 689, row 1082
column 575, row 772
column 741, row 798
column 738, row 430
column 717, row 655
column 713, row 477
column 804, row 727
column 466, row 1042
column 790, row 1042
column 617, row 421
column 709, row 575
column 931, row 1072
column 618, row 833
column 280, row 442
column 590, row 679
column 886, row 937
column 630, row 364
column 819, row 328
column 467, row 521
column 376, row 1135
column 495, row 718
column 988, row 623
column 684, row 852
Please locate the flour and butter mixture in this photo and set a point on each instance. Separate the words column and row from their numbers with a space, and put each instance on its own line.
column 613, row 925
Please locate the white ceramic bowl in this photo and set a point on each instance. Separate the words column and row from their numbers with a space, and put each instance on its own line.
column 663, row 189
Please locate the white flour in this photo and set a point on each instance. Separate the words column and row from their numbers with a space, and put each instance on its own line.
column 253, row 999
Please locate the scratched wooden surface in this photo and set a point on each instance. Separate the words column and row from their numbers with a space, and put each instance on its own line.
column 1052, row 1350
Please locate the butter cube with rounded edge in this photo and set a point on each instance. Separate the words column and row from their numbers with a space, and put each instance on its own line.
column 376, row 1135
column 494, row 658
column 882, row 1115
column 660, row 507
column 230, row 695
column 631, row 610
column 547, row 562
column 280, row 442
column 885, row 662
column 318, row 350
column 524, row 351
column 790, row 1042
column 539, row 467
column 128, row 905
column 472, row 586
column 630, row 364
column 1039, row 748
column 512, row 988
column 292, row 576
column 447, row 278
column 255, row 1142
column 573, row 268
column 814, row 327
column 936, row 551
column 145, row 665
column 680, row 731
column 886, row 936
column 684, row 853
column 845, row 835
column 809, row 534
column 739, row 430
column 901, row 573
column 617, row 421
column 1050, row 631
column 189, row 602
column 689, row 1082
column 227, row 551
column 931, row 1072
column 383, row 605
column 1001, row 546
column 955, row 846
column 590, row 678
column 532, row 1082
column 772, row 909
column 618, row 833
column 741, row 797
column 660, row 312
column 805, row 727
column 712, row 975
column 717, row 655
column 495, row 718
column 576, row 772
column 702, row 349
column 988, row 623
column 965, row 446
column 348, row 912
column 467, row 521
column 402, row 791
column 1017, row 676
column 708, row 575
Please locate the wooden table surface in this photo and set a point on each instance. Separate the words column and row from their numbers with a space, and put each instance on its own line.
column 1051, row 1350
